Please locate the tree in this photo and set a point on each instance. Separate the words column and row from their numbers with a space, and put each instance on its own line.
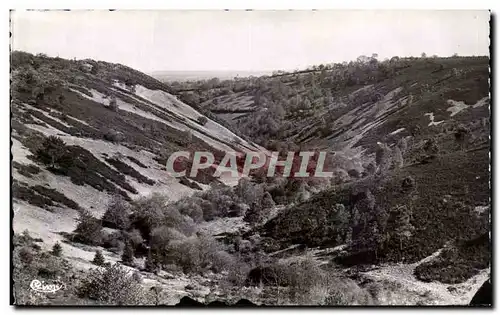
column 98, row 258
column 117, row 214
column 373, row 238
column 150, row 264
column 128, row 254
column 134, row 237
column 88, row 229
column 53, row 150
column 403, row 144
column 161, row 239
column 57, row 249
column 423, row 55
column 113, row 105
column 403, row 228
column 148, row 213
column 383, row 157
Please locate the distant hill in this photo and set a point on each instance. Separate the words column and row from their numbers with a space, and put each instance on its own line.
column 355, row 104
column 169, row 76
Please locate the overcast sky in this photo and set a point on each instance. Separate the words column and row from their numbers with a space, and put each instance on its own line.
column 247, row 40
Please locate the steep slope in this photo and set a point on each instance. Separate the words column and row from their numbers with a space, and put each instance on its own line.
column 117, row 127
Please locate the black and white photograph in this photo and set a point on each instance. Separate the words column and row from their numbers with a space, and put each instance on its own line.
column 250, row 158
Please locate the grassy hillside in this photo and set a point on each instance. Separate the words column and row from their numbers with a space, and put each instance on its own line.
column 408, row 204
column 106, row 115
column 350, row 104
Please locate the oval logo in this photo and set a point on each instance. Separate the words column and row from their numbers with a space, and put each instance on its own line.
column 41, row 286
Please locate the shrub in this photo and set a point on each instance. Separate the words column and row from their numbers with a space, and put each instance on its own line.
column 29, row 263
column 431, row 147
column 197, row 253
column 191, row 206
column 267, row 201
column 57, row 249
column 147, row 213
column 383, row 157
column 237, row 273
column 125, row 169
column 254, row 214
column 309, row 284
column 202, row 120
column 88, row 230
column 98, row 258
column 248, row 192
column 128, row 254
column 113, row 105
column 161, row 238
column 219, row 202
column 402, row 228
column 150, row 264
column 113, row 285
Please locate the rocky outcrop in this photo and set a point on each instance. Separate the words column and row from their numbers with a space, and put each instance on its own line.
column 483, row 295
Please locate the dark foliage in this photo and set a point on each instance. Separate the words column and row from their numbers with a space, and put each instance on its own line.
column 57, row 249
column 98, row 258
column 128, row 254
column 117, row 214
column 128, row 170
column 458, row 263
column 88, row 229
column 41, row 196
column 191, row 184
column 26, row 170
column 136, row 161
column 84, row 168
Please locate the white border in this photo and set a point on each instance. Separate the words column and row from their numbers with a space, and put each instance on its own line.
column 194, row 4
column 255, row 4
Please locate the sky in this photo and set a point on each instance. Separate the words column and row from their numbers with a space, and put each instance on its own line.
column 247, row 40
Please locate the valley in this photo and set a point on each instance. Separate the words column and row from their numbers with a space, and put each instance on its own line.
column 404, row 219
